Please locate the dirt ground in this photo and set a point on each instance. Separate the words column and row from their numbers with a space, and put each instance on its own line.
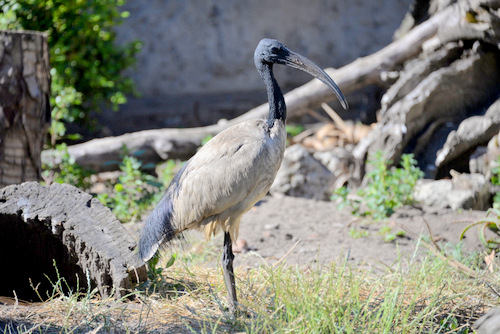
column 312, row 233
column 308, row 232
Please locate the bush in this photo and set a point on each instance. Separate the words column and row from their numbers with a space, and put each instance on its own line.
column 387, row 188
column 86, row 63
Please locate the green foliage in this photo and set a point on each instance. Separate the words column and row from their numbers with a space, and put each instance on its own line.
column 134, row 193
column 357, row 233
column 495, row 180
column 387, row 188
column 293, row 130
column 492, row 219
column 489, row 222
column 389, row 235
column 166, row 171
column 86, row 63
column 66, row 171
column 156, row 280
column 206, row 140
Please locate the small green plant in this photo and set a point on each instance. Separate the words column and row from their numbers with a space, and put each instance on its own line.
column 66, row 171
column 388, row 233
column 130, row 196
column 495, row 180
column 492, row 219
column 166, row 171
column 293, row 130
column 134, row 193
column 357, row 233
column 206, row 140
column 492, row 222
column 155, row 273
column 387, row 189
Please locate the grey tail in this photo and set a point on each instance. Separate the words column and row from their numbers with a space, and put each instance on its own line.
column 159, row 228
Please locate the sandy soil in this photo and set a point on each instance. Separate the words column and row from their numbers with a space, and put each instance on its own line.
column 307, row 232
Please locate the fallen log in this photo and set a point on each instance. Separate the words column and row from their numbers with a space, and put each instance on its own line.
column 156, row 145
column 62, row 228
column 455, row 78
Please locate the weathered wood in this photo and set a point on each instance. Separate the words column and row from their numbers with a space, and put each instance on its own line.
column 473, row 131
column 455, row 78
column 24, row 104
column 61, row 223
column 162, row 144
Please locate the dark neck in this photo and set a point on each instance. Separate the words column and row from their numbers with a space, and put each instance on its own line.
column 277, row 107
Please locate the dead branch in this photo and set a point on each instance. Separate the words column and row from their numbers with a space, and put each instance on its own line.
column 157, row 145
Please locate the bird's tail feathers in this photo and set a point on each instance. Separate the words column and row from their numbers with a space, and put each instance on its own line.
column 158, row 229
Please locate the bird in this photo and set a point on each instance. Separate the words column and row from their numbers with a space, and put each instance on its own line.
column 232, row 171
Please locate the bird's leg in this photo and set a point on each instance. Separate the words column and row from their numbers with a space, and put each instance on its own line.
column 227, row 265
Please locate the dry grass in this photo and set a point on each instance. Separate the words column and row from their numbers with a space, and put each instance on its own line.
column 429, row 296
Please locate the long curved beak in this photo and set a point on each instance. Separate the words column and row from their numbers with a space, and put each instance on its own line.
column 300, row 62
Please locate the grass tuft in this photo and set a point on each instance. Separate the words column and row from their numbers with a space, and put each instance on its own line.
column 424, row 296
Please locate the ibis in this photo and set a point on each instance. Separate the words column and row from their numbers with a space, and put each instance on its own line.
column 232, row 171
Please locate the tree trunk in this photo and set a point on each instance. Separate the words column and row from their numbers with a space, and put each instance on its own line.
column 24, row 104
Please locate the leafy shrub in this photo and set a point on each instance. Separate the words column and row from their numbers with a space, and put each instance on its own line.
column 66, row 171
column 387, row 188
column 134, row 193
column 86, row 63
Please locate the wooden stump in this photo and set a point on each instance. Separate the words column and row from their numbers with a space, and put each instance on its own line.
column 24, row 104
column 61, row 224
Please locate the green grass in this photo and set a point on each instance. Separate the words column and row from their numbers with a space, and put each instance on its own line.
column 424, row 296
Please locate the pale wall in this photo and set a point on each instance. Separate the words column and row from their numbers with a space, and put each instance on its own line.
column 200, row 46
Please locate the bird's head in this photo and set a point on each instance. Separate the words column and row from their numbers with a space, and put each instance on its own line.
column 271, row 51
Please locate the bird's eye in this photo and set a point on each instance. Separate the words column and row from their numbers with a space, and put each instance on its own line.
column 275, row 50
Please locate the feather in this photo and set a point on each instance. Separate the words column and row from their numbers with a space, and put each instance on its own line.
column 159, row 228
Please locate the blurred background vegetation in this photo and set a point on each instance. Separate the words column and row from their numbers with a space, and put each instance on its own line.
column 87, row 64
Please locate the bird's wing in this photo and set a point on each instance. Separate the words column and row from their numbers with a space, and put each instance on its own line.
column 228, row 169
column 227, row 176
